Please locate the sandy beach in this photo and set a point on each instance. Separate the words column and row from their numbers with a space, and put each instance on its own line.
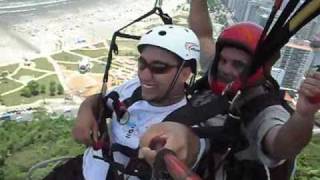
column 70, row 28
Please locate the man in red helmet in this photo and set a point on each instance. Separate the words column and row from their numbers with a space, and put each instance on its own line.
column 272, row 135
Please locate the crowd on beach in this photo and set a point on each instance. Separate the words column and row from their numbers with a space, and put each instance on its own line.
column 38, row 35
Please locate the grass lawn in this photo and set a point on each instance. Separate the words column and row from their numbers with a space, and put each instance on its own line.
column 128, row 44
column 42, row 63
column 28, row 143
column 180, row 17
column 178, row 22
column 64, row 56
column 29, row 156
column 15, row 98
column 7, row 85
column 309, row 161
column 98, row 68
column 151, row 26
column 9, row 68
column 27, row 72
column 115, row 65
column 128, row 52
column 99, row 45
column 71, row 67
column 103, row 59
column 91, row 53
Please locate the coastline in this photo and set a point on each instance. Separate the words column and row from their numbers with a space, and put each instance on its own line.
column 67, row 28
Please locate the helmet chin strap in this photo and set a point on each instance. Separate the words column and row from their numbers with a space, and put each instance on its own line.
column 248, row 81
column 172, row 84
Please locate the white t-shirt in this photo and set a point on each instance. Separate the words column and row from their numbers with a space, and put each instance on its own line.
column 141, row 116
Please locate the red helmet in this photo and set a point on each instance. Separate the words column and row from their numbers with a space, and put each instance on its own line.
column 244, row 36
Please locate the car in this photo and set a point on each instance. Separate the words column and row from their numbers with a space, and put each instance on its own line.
column 5, row 117
column 67, row 110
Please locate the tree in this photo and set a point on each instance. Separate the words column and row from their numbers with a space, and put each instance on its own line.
column 42, row 89
column 60, row 89
column 317, row 119
column 4, row 75
column 26, row 92
column 52, row 88
column 40, row 114
column 1, row 100
column 34, row 87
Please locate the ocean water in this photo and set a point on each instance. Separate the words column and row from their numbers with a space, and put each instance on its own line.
column 22, row 6
column 14, row 7
column 16, row 11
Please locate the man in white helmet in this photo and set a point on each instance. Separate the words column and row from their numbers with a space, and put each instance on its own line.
column 168, row 56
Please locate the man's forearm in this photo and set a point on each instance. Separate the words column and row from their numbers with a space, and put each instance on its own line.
column 292, row 137
column 199, row 19
column 85, row 123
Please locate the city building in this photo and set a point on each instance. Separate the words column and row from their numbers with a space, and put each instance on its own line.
column 296, row 59
column 315, row 44
column 248, row 10
column 309, row 30
column 258, row 11
column 278, row 74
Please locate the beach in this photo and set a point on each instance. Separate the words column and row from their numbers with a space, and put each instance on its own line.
column 43, row 33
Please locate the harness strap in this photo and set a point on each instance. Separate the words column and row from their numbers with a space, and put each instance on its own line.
column 188, row 115
column 136, row 96
column 135, row 167
column 124, row 150
column 192, row 115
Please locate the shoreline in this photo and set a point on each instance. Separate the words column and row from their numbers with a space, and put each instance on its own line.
column 79, row 27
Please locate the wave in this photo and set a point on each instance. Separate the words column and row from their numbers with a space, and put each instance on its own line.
column 17, row 11
column 22, row 5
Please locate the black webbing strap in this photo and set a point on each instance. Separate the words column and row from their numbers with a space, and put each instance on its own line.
column 190, row 115
column 116, row 147
column 283, row 17
column 136, row 96
column 271, row 41
column 114, row 47
column 136, row 167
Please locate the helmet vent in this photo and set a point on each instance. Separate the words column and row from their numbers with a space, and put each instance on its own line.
column 149, row 32
column 170, row 27
column 186, row 30
column 162, row 33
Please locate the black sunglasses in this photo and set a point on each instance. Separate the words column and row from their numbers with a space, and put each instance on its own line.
column 155, row 67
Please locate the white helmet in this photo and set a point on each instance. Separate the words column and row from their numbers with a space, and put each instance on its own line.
column 179, row 40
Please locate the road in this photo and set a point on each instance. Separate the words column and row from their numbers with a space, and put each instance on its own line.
column 54, row 108
column 316, row 130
